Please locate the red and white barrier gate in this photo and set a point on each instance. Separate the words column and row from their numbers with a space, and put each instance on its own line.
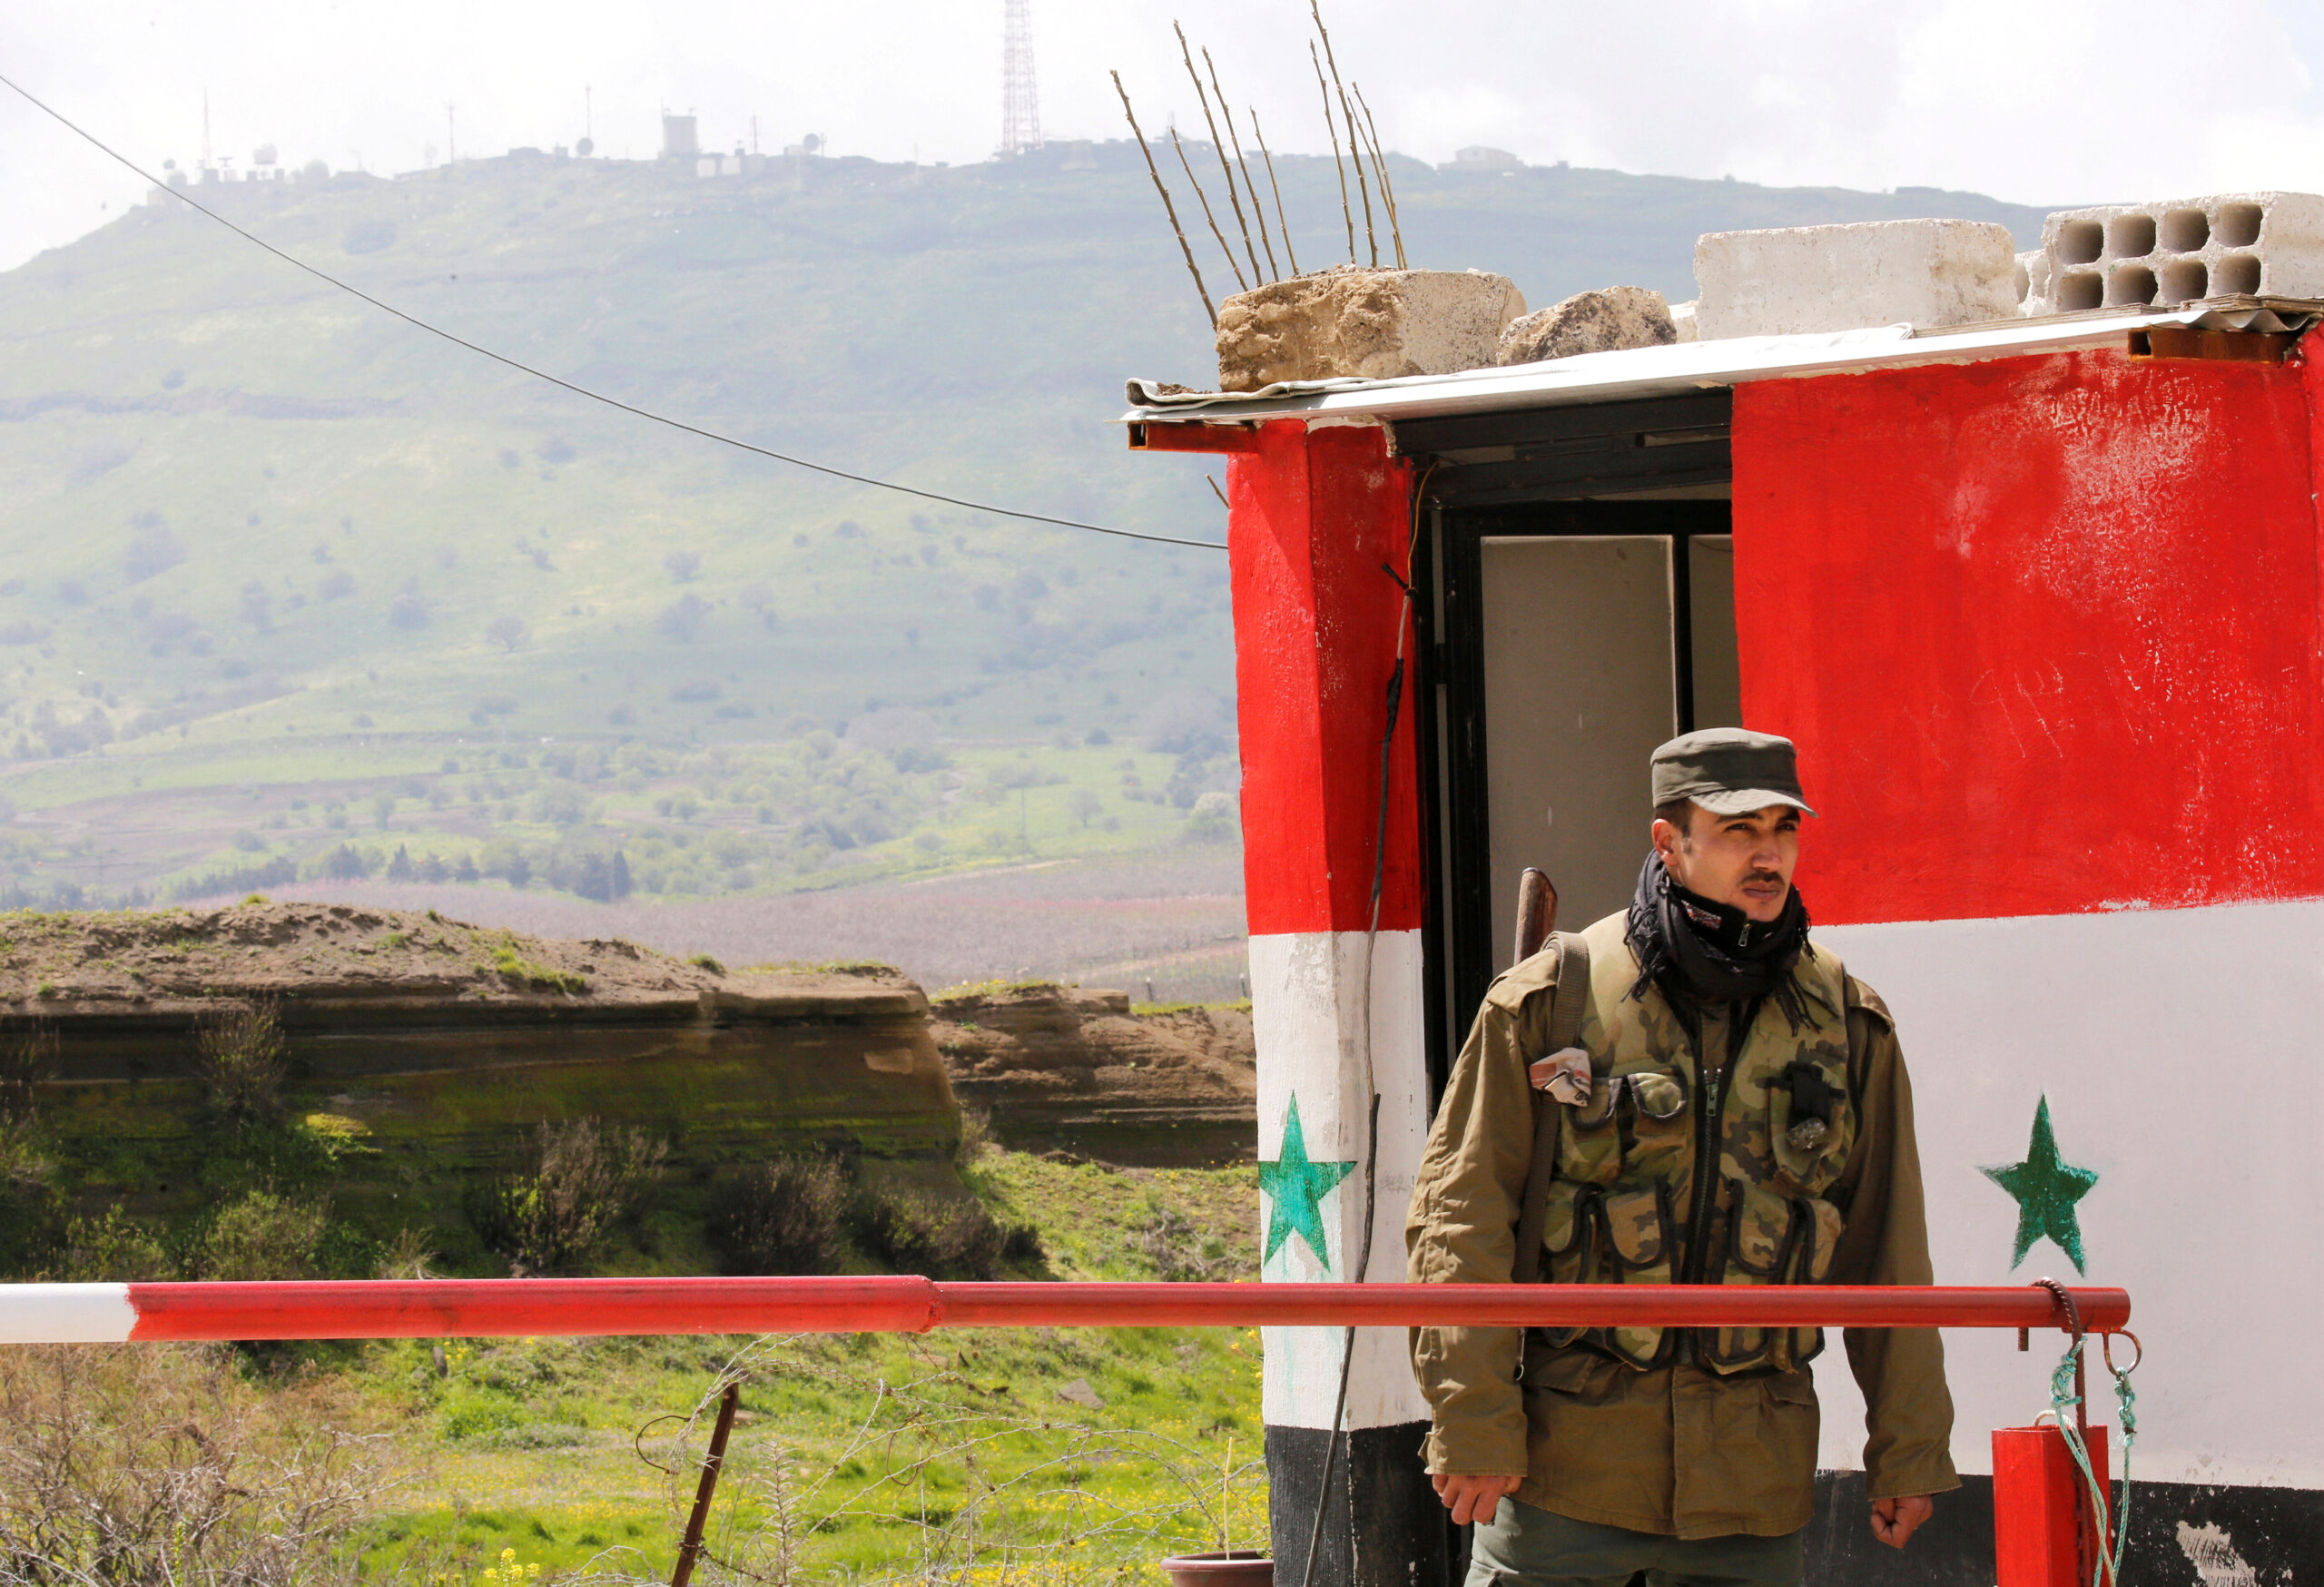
column 475, row 1308
column 538, row 1307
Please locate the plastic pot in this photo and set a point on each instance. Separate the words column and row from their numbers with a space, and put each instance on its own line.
column 1231, row 1568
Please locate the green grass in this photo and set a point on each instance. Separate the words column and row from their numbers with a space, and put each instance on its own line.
column 528, row 1445
column 523, row 971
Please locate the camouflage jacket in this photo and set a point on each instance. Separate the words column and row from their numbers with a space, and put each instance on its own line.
column 1814, row 1178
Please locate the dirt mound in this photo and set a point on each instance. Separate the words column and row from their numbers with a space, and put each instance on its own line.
column 1071, row 1068
column 305, row 953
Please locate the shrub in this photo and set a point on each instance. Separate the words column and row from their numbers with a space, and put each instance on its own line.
column 160, row 1465
column 581, row 1180
column 941, row 1237
column 369, row 236
column 783, row 1217
column 261, row 1236
column 405, row 1255
column 243, row 1060
column 27, row 1057
column 479, row 1416
column 114, row 1248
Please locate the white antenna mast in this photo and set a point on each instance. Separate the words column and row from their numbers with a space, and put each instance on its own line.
column 1020, row 106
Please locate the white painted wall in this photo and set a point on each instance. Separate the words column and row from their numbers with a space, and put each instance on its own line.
column 1308, row 1009
column 2182, row 1052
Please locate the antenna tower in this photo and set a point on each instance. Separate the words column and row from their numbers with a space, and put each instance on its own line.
column 1020, row 105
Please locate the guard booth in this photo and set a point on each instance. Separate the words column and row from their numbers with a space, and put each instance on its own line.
column 2039, row 603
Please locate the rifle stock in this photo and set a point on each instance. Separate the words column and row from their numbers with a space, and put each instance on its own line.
column 1537, row 914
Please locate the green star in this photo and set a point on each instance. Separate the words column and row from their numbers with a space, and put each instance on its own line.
column 1295, row 1188
column 2046, row 1188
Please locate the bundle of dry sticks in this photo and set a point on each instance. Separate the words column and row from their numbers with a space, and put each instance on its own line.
column 1341, row 102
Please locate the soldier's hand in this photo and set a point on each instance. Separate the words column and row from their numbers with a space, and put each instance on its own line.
column 1473, row 1498
column 1894, row 1521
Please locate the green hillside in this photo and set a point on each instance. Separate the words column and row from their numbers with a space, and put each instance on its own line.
column 269, row 557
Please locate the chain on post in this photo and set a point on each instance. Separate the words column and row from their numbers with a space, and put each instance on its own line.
column 2067, row 1394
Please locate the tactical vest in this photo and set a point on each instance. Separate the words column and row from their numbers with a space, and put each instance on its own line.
column 1637, row 1197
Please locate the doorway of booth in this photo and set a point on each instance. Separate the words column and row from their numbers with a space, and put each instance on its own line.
column 1565, row 641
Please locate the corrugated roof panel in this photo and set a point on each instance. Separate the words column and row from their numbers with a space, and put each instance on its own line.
column 1694, row 366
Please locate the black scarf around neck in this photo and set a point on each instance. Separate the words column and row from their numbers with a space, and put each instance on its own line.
column 1699, row 951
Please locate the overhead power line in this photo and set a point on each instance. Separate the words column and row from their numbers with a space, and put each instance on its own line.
column 579, row 390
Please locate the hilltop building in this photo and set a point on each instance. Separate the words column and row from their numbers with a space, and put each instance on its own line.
column 1480, row 157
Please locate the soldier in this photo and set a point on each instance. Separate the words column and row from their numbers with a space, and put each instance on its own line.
column 1732, row 1109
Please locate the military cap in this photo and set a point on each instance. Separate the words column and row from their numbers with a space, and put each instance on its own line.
column 1729, row 771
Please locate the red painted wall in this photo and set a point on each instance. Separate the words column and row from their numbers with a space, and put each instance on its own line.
column 2046, row 631
column 1314, row 516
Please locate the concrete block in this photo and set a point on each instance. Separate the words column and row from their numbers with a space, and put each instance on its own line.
column 1600, row 321
column 2178, row 251
column 1682, row 320
column 1807, row 279
column 1375, row 324
column 2033, row 283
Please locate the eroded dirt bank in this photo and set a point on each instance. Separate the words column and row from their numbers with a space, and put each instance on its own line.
column 1071, row 1068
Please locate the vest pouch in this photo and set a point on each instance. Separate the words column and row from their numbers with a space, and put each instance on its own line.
column 1589, row 1146
column 1641, row 1242
column 1811, row 1122
column 1766, row 1235
column 1571, row 1237
column 1773, row 1239
column 1656, row 1124
column 1823, row 1227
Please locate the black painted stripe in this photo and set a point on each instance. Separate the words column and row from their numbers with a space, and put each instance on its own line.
column 2277, row 1533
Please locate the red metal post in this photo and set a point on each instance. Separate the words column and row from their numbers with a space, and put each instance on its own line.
column 2043, row 1531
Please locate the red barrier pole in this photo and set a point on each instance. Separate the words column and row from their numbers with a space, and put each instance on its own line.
column 470, row 1308
column 525, row 1308
column 1517, row 1305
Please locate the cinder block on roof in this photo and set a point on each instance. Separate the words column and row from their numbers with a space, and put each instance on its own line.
column 2175, row 251
column 1803, row 279
column 1375, row 324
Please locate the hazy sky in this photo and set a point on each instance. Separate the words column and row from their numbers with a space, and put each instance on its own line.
column 2041, row 101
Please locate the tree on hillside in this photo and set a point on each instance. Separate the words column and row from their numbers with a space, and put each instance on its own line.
column 1085, row 805
column 759, row 598
column 682, row 619
column 409, row 608
column 1186, row 721
column 682, row 566
column 508, row 632
column 152, row 549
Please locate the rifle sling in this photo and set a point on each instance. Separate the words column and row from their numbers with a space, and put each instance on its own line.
column 1568, row 1001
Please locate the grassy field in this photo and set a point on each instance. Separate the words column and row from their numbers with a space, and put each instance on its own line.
column 1052, row 1456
